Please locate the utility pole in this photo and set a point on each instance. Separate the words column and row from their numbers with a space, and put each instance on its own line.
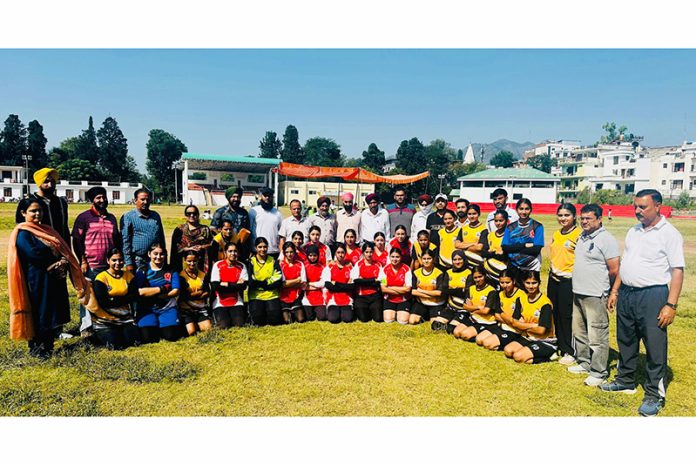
column 27, row 159
column 441, row 177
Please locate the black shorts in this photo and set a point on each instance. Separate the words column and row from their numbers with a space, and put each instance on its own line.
column 443, row 311
column 542, row 350
column 464, row 318
column 421, row 310
column 195, row 316
column 505, row 337
column 400, row 307
column 481, row 327
column 292, row 306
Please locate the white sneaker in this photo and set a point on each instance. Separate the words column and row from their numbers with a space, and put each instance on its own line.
column 553, row 356
column 567, row 360
column 577, row 369
column 592, row 381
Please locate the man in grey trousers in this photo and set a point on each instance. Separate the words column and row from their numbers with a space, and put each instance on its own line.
column 646, row 294
column 595, row 269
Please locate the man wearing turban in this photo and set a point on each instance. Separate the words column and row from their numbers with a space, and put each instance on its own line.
column 55, row 209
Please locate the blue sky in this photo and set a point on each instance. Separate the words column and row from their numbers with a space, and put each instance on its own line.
column 223, row 101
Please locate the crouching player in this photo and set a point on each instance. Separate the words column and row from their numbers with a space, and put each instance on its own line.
column 480, row 304
column 534, row 320
column 509, row 299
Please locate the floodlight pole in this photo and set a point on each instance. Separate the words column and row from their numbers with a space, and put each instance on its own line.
column 441, row 177
column 26, row 159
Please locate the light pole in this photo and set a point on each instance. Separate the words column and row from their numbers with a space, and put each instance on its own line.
column 27, row 159
column 175, row 165
column 441, row 177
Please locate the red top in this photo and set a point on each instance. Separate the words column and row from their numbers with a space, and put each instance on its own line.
column 364, row 271
column 314, row 297
column 290, row 271
column 405, row 248
column 337, row 274
column 401, row 277
column 354, row 256
column 380, row 258
column 224, row 273
column 322, row 251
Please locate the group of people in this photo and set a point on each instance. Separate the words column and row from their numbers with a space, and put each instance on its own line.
column 476, row 280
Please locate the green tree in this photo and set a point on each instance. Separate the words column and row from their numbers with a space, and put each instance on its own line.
column 87, row 148
column 541, row 162
column 321, row 151
column 36, row 145
column 354, row 163
column 410, row 156
column 291, row 151
column 13, row 142
column 373, row 159
column 503, row 159
column 270, row 145
column 76, row 169
column 113, row 150
column 438, row 157
column 66, row 150
column 163, row 149
column 683, row 201
column 613, row 133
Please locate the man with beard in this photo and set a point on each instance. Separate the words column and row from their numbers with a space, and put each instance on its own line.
column 462, row 205
column 239, row 218
column 265, row 221
column 54, row 208
column 500, row 198
column 400, row 212
column 373, row 219
column 140, row 228
column 95, row 232
column 325, row 221
column 420, row 218
column 434, row 222
column 347, row 218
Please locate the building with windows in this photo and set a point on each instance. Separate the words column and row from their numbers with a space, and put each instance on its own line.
column 205, row 177
column 673, row 170
column 536, row 185
column 13, row 184
column 310, row 191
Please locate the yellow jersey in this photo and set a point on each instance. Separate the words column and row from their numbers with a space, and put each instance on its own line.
column 457, row 280
column 539, row 312
column 508, row 305
column 563, row 252
column 483, row 297
column 429, row 282
column 447, row 245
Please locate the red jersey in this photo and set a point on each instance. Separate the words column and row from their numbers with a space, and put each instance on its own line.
column 315, row 297
column 224, row 273
column 364, row 271
column 405, row 248
column 380, row 258
column 337, row 274
column 301, row 256
column 324, row 252
column 354, row 256
column 290, row 271
column 401, row 277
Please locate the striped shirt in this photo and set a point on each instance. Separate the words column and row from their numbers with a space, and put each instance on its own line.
column 139, row 233
column 94, row 235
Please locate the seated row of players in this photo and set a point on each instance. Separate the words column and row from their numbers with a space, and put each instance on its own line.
column 300, row 287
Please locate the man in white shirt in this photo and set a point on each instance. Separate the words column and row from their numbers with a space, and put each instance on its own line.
column 645, row 295
column 265, row 221
column 347, row 218
column 420, row 218
column 324, row 220
column 293, row 223
column 373, row 219
column 500, row 202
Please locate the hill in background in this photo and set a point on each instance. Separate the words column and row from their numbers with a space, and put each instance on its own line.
column 493, row 148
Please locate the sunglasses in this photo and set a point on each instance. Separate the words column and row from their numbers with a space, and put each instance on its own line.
column 191, row 214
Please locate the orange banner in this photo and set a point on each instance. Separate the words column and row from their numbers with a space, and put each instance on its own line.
column 348, row 174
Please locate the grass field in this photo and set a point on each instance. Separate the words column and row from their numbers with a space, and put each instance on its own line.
column 321, row 369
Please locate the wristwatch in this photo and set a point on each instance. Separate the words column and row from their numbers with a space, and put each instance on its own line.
column 672, row 306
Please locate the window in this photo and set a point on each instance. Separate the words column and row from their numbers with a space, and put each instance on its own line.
column 472, row 183
column 256, row 178
column 198, row 176
column 678, row 168
column 679, row 184
column 520, row 184
column 69, row 194
column 7, row 175
column 227, row 177
column 664, row 182
column 311, row 192
column 294, row 191
column 7, row 192
column 516, row 196
column 116, row 195
column 664, row 165
column 616, row 160
column 542, row 184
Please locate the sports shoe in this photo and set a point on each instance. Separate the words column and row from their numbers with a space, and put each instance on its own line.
column 567, row 360
column 577, row 369
column 438, row 326
column 554, row 357
column 593, row 381
column 615, row 386
column 650, row 407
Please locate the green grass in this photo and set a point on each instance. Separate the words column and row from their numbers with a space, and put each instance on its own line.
column 320, row 369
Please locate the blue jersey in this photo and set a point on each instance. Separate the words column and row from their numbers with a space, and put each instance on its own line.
column 531, row 233
column 147, row 277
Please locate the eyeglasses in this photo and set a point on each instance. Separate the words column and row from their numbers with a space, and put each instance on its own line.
column 191, row 214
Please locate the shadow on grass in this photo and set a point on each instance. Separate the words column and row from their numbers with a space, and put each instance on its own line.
column 640, row 371
column 24, row 400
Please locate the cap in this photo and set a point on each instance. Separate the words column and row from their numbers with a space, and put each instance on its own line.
column 441, row 196
column 41, row 175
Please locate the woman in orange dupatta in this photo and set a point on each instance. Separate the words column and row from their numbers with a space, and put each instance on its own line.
column 38, row 260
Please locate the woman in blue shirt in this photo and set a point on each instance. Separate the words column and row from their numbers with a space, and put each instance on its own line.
column 523, row 241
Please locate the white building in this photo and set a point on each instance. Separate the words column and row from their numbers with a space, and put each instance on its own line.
column 533, row 184
column 623, row 167
column 673, row 169
column 554, row 148
column 310, row 191
column 205, row 177
column 14, row 181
